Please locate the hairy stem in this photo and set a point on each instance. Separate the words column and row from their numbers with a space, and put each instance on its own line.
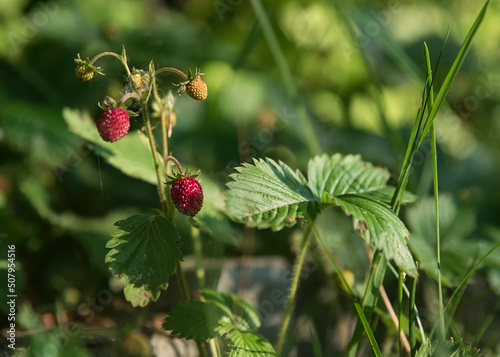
column 114, row 55
column 152, row 146
column 173, row 70
column 168, row 213
column 164, row 137
column 293, row 289
column 198, row 253
column 129, row 96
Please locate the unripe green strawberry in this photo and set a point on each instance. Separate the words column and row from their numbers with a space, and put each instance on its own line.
column 84, row 72
column 187, row 196
column 113, row 124
column 197, row 88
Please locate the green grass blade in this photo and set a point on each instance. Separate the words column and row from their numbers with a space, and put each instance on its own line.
column 412, row 316
column 436, row 189
column 357, row 305
column 370, row 298
column 416, row 314
column 400, row 310
column 457, row 64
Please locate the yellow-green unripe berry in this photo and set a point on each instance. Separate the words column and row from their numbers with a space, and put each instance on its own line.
column 84, row 72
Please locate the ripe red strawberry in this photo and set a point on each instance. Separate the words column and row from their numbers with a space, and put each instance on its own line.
column 113, row 124
column 187, row 196
column 197, row 88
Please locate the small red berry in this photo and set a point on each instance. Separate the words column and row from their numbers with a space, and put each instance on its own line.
column 187, row 196
column 197, row 89
column 113, row 124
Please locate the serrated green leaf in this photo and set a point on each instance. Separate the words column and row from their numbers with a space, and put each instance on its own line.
column 268, row 195
column 196, row 320
column 242, row 315
column 379, row 225
column 384, row 195
column 144, row 251
column 131, row 154
column 142, row 295
column 247, row 344
column 219, row 314
column 338, row 175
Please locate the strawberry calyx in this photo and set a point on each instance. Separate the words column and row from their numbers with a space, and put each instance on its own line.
column 109, row 103
column 182, row 175
column 192, row 78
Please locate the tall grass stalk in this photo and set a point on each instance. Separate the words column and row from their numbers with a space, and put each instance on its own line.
column 430, row 95
column 421, row 127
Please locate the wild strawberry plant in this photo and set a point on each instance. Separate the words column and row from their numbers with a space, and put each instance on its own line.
column 146, row 250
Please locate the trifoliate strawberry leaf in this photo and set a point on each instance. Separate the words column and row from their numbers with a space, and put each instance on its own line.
column 242, row 315
column 195, row 320
column 247, row 344
column 268, row 195
column 144, row 251
column 271, row 195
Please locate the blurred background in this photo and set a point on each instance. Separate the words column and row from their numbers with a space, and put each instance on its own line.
column 287, row 80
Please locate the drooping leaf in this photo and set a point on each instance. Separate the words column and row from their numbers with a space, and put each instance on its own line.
column 247, row 344
column 378, row 225
column 131, row 154
column 196, row 320
column 144, row 251
column 268, row 195
column 242, row 315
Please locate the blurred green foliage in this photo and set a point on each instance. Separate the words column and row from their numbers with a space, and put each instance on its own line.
column 357, row 70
